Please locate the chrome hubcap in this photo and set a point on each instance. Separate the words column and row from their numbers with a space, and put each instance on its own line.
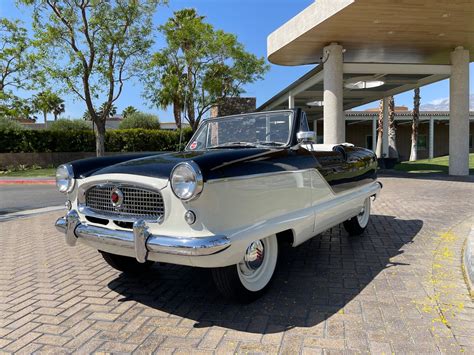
column 253, row 258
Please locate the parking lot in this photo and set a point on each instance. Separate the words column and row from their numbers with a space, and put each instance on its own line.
column 398, row 288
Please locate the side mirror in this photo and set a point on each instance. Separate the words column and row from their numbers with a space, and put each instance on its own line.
column 306, row 136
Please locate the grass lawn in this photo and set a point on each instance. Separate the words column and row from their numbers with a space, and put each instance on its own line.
column 30, row 172
column 436, row 165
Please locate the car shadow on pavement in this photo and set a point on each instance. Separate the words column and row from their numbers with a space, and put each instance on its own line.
column 313, row 281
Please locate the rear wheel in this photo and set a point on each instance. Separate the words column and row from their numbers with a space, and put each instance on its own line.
column 249, row 279
column 357, row 225
column 125, row 263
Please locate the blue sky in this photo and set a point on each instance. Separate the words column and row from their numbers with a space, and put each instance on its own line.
column 251, row 21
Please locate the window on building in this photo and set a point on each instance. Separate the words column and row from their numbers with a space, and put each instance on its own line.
column 368, row 142
column 470, row 141
column 422, row 142
column 319, row 139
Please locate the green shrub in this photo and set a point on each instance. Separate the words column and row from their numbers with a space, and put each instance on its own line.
column 7, row 124
column 128, row 140
column 69, row 125
column 140, row 120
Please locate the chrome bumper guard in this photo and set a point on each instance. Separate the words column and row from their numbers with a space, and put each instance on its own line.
column 140, row 239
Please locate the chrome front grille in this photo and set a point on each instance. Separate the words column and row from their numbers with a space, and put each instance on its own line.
column 138, row 202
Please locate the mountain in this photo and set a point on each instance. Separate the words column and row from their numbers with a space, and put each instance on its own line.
column 443, row 104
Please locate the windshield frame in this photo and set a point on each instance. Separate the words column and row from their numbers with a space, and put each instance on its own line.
column 291, row 118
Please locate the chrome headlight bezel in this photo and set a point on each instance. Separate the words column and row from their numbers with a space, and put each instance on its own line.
column 65, row 178
column 187, row 181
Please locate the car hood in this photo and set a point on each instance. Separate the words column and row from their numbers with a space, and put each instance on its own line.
column 214, row 164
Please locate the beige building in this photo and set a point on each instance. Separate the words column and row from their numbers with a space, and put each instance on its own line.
column 365, row 51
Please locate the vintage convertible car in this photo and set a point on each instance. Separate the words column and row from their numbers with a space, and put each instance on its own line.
column 244, row 186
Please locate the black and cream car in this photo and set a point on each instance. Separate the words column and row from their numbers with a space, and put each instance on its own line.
column 244, row 185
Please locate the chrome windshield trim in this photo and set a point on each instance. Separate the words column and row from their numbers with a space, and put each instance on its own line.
column 291, row 123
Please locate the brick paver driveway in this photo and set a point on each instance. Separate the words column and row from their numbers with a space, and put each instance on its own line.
column 399, row 288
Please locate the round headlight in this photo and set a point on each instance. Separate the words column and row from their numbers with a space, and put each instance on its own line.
column 186, row 181
column 64, row 178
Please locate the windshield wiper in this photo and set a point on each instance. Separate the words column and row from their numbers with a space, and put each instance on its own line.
column 275, row 144
column 234, row 144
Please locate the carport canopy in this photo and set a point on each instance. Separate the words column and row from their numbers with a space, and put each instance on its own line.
column 308, row 91
column 367, row 50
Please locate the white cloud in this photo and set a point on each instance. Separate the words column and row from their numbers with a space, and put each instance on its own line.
column 442, row 104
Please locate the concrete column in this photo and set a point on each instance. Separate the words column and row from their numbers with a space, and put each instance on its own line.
column 385, row 149
column 459, row 113
column 431, row 140
column 374, row 134
column 291, row 101
column 334, row 122
column 315, row 127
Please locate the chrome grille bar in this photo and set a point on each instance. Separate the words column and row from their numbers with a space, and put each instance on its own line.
column 138, row 202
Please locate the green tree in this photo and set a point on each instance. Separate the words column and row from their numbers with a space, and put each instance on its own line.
column 140, row 120
column 17, row 108
column 100, row 111
column 46, row 102
column 17, row 68
column 63, row 124
column 199, row 67
column 7, row 124
column 92, row 46
column 128, row 111
column 16, row 62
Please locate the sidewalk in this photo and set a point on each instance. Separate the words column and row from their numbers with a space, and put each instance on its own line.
column 399, row 288
column 14, row 180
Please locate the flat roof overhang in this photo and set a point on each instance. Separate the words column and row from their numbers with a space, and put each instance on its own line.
column 397, row 78
column 376, row 31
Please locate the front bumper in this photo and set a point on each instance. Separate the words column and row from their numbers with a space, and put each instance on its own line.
column 140, row 241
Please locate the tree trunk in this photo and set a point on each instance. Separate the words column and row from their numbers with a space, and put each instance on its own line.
column 378, row 150
column 55, row 116
column 45, row 115
column 392, row 130
column 177, row 113
column 414, row 126
column 100, row 137
column 190, row 99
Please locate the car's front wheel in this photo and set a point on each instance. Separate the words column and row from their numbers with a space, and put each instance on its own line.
column 357, row 225
column 125, row 263
column 249, row 279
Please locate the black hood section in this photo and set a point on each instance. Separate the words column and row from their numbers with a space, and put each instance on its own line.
column 216, row 164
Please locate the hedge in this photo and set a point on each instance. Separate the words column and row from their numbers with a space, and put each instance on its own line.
column 125, row 140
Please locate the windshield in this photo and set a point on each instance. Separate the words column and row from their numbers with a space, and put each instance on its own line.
column 250, row 130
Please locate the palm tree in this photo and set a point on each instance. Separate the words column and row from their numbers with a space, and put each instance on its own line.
column 129, row 110
column 46, row 102
column 378, row 150
column 59, row 109
column 172, row 79
column 392, row 130
column 112, row 110
column 414, row 126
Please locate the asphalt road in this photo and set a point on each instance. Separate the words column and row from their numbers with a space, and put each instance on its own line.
column 15, row 198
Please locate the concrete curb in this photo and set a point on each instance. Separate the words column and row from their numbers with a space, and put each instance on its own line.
column 27, row 182
column 468, row 261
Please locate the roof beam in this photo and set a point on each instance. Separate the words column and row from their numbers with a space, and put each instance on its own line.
column 374, row 68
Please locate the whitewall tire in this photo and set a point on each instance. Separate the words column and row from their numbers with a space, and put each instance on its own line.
column 250, row 278
column 357, row 225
